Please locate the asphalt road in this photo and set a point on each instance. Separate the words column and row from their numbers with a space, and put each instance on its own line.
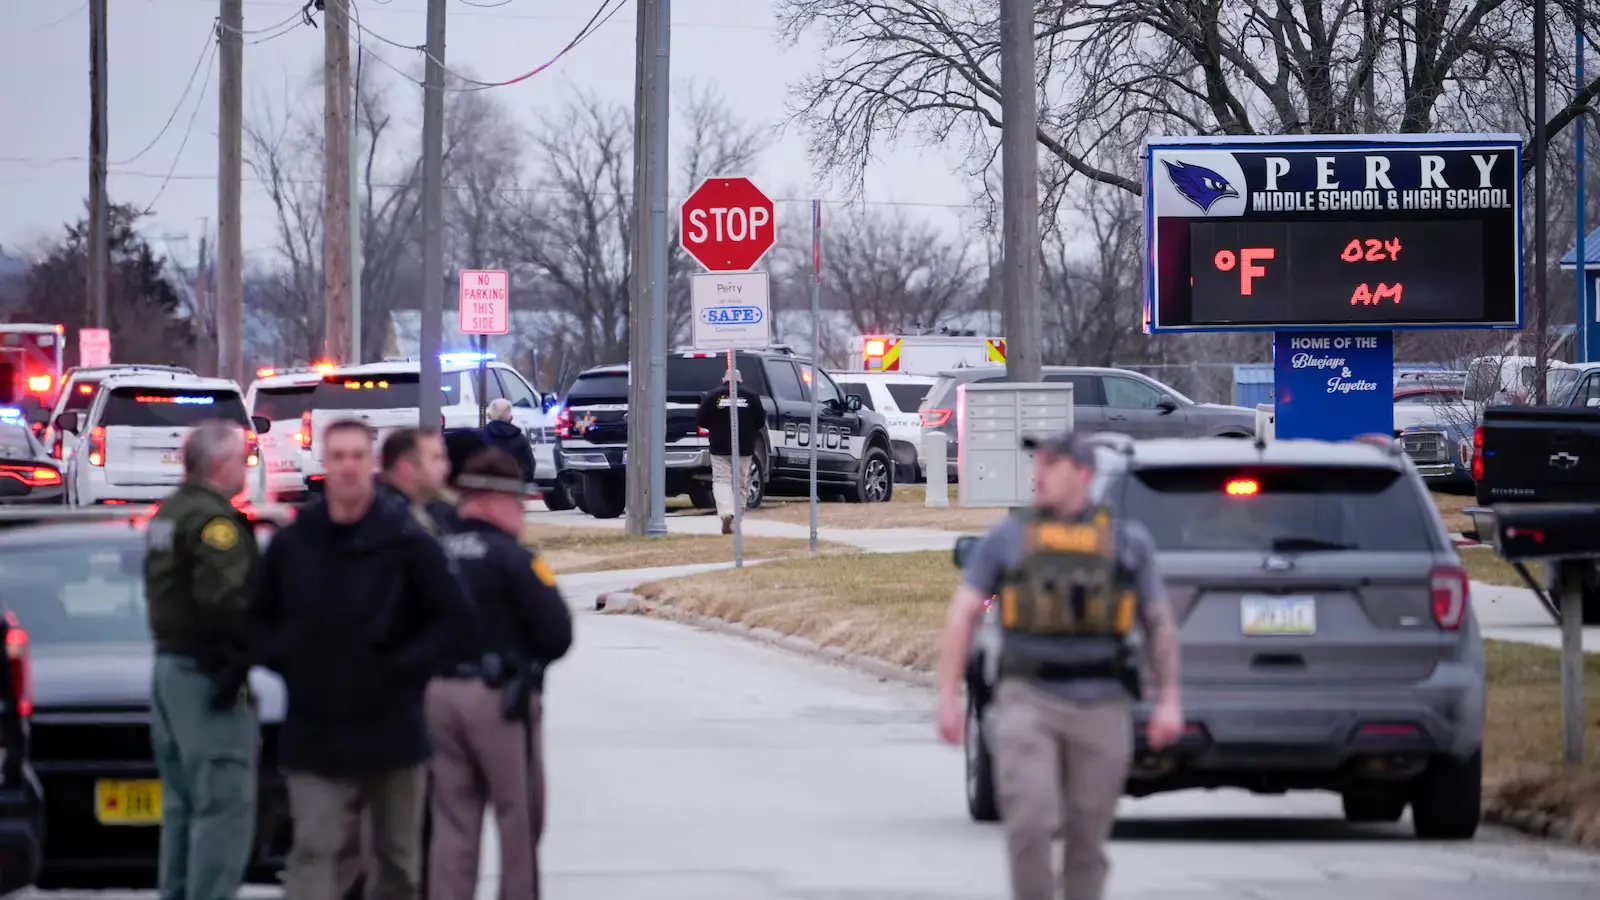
column 687, row 765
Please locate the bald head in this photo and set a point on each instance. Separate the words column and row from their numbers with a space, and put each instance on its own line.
column 214, row 455
column 500, row 410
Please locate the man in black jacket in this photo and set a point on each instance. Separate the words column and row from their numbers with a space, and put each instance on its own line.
column 415, row 468
column 714, row 418
column 357, row 608
column 503, row 434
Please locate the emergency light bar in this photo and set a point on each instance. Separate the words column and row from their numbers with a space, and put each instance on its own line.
column 38, row 383
column 368, row 385
column 10, row 412
column 187, row 401
column 454, row 359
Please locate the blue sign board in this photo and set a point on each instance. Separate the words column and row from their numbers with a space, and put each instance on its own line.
column 1333, row 385
column 1336, row 232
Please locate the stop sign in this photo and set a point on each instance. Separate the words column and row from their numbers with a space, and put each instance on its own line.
column 727, row 224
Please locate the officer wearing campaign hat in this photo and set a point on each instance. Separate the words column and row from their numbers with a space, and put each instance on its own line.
column 1072, row 580
column 484, row 712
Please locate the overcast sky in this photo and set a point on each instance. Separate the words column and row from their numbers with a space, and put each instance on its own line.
column 154, row 44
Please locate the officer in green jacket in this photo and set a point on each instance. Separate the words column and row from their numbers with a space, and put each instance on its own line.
column 199, row 565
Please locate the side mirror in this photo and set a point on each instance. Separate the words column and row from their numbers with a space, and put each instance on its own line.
column 963, row 549
column 548, row 402
column 1167, row 405
column 68, row 422
column 852, row 402
column 261, row 424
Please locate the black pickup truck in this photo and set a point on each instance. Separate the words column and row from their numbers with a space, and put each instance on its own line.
column 1538, row 455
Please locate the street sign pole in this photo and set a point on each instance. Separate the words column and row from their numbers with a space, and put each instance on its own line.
column 816, row 351
column 737, row 464
column 483, row 380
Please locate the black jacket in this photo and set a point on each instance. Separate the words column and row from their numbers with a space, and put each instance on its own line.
column 508, row 437
column 356, row 619
column 441, row 516
column 713, row 417
column 520, row 613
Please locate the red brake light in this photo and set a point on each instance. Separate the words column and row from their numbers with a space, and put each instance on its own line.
column 563, row 424
column 1477, row 453
column 1243, row 487
column 39, row 383
column 702, row 432
column 1451, row 593
column 305, row 430
column 934, row 418
column 18, row 665
column 97, row 446
column 32, row 476
column 86, row 389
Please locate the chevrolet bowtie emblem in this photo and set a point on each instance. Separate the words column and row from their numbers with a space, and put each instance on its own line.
column 1563, row 460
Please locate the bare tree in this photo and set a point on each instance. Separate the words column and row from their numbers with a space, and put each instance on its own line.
column 890, row 274
column 1113, row 71
column 1092, row 309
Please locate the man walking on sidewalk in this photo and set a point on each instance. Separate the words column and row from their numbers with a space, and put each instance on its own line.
column 714, row 417
column 359, row 607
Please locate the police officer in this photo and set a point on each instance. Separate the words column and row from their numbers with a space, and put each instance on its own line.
column 1071, row 581
column 484, row 715
column 198, row 572
column 414, row 469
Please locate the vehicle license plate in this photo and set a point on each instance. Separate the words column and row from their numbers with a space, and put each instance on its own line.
column 172, row 457
column 1278, row 615
column 127, row 802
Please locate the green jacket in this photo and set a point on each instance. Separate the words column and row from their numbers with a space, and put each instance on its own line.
column 200, row 562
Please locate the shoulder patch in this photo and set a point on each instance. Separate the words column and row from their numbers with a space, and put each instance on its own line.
column 220, row 534
column 543, row 572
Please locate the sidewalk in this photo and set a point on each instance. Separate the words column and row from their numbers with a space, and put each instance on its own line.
column 872, row 540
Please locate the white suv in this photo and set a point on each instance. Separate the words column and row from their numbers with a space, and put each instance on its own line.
column 386, row 396
column 896, row 397
column 283, row 398
column 78, row 387
column 131, row 436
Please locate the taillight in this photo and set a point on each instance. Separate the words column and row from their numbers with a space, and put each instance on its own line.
column 934, row 418
column 305, row 431
column 1450, row 596
column 19, row 666
column 702, row 432
column 97, row 446
column 252, row 449
column 563, row 424
column 32, row 476
column 39, row 384
column 1477, row 453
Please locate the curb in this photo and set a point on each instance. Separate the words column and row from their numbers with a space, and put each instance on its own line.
column 630, row 603
column 1533, row 822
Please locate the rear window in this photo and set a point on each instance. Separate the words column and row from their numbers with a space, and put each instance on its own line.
column 697, row 374
column 78, row 592
column 1483, row 379
column 280, row 403
column 859, row 389
column 81, row 395
column 394, row 390
column 1303, row 508
column 908, row 397
column 609, row 386
column 137, row 407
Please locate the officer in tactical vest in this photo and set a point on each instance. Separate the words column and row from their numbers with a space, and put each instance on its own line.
column 199, row 565
column 1071, row 581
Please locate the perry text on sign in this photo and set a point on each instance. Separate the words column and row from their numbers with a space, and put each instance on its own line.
column 731, row 311
column 485, row 302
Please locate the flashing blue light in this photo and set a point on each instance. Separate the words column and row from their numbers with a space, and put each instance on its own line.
column 455, row 359
column 195, row 401
column 10, row 412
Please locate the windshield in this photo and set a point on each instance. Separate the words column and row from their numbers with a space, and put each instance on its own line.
column 908, row 397
column 392, row 390
column 1277, row 508
column 697, row 374
column 280, row 403
column 78, row 592
column 610, row 387
column 81, row 395
column 139, row 407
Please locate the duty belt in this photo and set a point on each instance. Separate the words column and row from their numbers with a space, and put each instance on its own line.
column 1045, row 671
column 463, row 670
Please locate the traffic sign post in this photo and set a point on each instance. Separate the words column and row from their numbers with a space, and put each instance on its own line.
column 94, row 346
column 727, row 224
column 485, row 310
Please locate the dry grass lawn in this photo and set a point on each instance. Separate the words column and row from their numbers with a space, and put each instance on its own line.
column 574, row 550
column 1450, row 506
column 907, row 509
column 891, row 606
column 1483, row 564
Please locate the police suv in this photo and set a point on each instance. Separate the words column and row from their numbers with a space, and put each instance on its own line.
column 387, row 396
column 283, row 397
column 132, row 435
column 853, row 455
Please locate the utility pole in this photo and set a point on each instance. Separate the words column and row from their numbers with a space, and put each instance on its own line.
column 230, row 183
column 1540, row 229
column 335, row 180
column 357, row 211
column 1019, row 192
column 99, row 207
column 646, row 479
column 205, row 309
column 432, row 217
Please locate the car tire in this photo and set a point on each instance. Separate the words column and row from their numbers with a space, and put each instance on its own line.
column 702, row 498
column 982, row 805
column 755, row 492
column 606, row 494
column 1446, row 800
column 576, row 490
column 875, row 480
column 1373, row 804
column 558, row 498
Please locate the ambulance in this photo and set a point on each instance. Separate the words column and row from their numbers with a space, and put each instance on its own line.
column 927, row 354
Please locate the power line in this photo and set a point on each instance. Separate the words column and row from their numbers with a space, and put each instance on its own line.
column 495, row 13
column 206, row 50
column 188, row 130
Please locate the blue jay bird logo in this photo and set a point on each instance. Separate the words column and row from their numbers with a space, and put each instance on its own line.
column 1198, row 184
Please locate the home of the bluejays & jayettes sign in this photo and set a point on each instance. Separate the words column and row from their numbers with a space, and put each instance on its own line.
column 1315, row 232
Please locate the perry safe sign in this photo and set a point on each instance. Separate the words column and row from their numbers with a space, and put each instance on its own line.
column 1330, row 232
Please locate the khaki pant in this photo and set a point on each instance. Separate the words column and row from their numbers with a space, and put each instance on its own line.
column 1058, row 765
column 722, row 482
column 481, row 761
column 323, row 825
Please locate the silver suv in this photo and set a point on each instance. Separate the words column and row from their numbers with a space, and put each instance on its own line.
column 1115, row 400
column 1328, row 637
